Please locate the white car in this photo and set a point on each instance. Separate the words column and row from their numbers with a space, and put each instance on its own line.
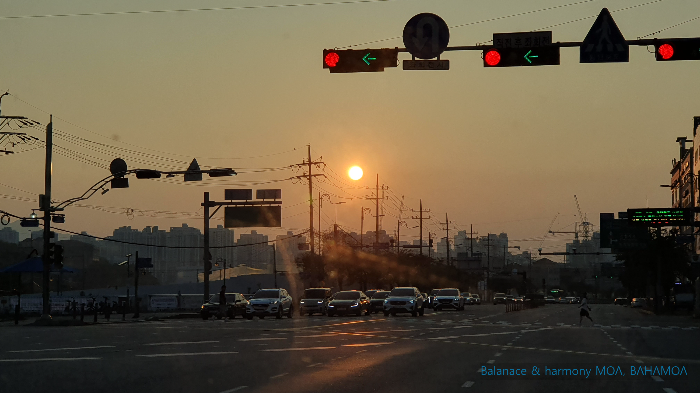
column 404, row 299
column 449, row 298
column 476, row 299
column 266, row 302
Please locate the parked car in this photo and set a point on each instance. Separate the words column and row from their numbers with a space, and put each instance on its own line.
column 499, row 298
column 682, row 296
column 404, row 299
column 266, row 302
column 376, row 302
column 638, row 302
column 449, row 298
column 476, row 299
column 349, row 302
column 314, row 301
column 621, row 301
column 550, row 300
column 235, row 305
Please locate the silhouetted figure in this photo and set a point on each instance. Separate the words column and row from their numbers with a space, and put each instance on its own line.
column 584, row 309
column 222, row 302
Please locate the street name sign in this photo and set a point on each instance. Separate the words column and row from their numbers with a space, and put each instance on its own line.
column 426, row 36
column 426, row 64
column 533, row 39
column 604, row 43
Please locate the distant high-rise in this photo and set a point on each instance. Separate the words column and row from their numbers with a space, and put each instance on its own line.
column 9, row 235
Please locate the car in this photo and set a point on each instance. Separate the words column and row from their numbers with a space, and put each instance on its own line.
column 248, row 296
column 314, row 301
column 376, row 302
column 235, row 305
column 449, row 298
column 499, row 298
column 268, row 302
column 570, row 300
column 476, row 299
column 621, row 301
column 468, row 301
column 510, row 298
column 638, row 302
column 550, row 300
column 348, row 302
column 563, row 300
column 519, row 299
column 404, row 299
column 578, row 300
column 431, row 298
column 370, row 292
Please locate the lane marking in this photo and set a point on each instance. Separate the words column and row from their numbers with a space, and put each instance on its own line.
column 491, row 361
column 657, row 378
column 314, row 365
column 61, row 349
column 366, row 344
column 47, row 359
column 364, row 350
column 295, row 349
column 278, row 375
column 468, row 384
column 263, row 339
column 234, row 389
column 499, row 354
column 184, row 342
column 638, row 361
column 163, row 355
column 669, row 390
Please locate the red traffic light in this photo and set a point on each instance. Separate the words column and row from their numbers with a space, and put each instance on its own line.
column 665, row 51
column 331, row 59
column 492, row 57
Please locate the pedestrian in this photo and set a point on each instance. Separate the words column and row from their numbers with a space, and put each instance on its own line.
column 222, row 302
column 584, row 309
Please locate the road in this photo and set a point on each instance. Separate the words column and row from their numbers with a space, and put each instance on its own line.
column 439, row 352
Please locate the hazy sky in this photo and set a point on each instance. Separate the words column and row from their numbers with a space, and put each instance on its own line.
column 505, row 149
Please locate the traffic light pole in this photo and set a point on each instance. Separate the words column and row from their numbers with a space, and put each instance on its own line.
column 46, row 207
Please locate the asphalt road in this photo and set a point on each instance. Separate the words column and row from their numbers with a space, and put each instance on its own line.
column 439, row 352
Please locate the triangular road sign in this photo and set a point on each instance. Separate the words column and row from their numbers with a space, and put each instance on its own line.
column 604, row 43
column 195, row 174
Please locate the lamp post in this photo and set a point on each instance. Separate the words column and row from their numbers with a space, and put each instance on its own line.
column 128, row 273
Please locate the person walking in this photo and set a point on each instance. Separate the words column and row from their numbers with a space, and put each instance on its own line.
column 584, row 309
column 222, row 302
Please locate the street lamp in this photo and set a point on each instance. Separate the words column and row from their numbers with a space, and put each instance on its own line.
column 128, row 273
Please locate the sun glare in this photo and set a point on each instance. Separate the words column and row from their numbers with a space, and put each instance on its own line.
column 355, row 173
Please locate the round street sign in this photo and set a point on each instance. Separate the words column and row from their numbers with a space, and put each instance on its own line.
column 118, row 167
column 426, row 36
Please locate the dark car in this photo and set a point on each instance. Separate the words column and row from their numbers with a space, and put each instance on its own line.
column 621, row 301
column 348, row 302
column 370, row 292
column 235, row 305
column 431, row 298
column 314, row 300
column 499, row 298
column 376, row 303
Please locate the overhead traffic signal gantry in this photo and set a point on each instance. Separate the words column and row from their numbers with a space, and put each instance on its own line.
column 521, row 57
column 353, row 60
column 677, row 49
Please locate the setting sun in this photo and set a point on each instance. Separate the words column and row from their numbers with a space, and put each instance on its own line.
column 355, row 173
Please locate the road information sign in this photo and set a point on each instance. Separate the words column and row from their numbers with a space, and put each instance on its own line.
column 604, row 43
column 426, row 64
column 534, row 39
column 426, row 36
column 660, row 217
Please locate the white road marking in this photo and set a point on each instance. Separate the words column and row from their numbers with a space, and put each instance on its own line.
column 234, row 389
column 657, row 378
column 629, row 353
column 263, row 339
column 366, row 344
column 184, row 342
column 491, row 361
column 364, row 350
column 295, row 349
column 499, row 354
column 162, row 355
column 47, row 359
column 669, row 390
column 638, row 361
column 468, row 384
column 61, row 349
column 278, row 375
column 314, row 365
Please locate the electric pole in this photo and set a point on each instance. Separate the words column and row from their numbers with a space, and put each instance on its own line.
column 377, row 215
column 309, row 177
column 420, row 225
column 46, row 207
column 447, row 239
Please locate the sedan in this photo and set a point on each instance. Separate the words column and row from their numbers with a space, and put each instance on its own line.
column 638, row 302
column 376, row 303
column 349, row 302
column 235, row 305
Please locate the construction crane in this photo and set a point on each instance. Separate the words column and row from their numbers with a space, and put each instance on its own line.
column 585, row 225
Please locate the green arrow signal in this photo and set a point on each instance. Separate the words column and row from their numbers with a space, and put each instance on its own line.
column 367, row 58
column 528, row 56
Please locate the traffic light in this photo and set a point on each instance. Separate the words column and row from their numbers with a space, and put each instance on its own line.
column 521, row 57
column 678, row 49
column 58, row 256
column 353, row 60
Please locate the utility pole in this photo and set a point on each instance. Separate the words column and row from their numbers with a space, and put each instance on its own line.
column 447, row 239
column 207, row 254
column 274, row 262
column 320, row 206
column 471, row 240
column 309, row 177
column 377, row 215
column 420, row 225
column 429, row 247
column 136, row 285
column 46, row 207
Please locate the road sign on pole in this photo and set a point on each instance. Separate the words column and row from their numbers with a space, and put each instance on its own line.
column 532, row 39
column 426, row 36
column 604, row 43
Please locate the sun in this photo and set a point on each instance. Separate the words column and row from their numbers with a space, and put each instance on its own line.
column 355, row 173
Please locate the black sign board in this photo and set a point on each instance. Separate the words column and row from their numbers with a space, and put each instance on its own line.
column 268, row 194
column 143, row 263
column 238, row 195
column 660, row 217
column 253, row 216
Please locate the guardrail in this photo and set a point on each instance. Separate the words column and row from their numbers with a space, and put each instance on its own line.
column 523, row 305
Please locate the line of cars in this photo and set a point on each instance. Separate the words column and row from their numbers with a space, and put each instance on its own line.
column 278, row 302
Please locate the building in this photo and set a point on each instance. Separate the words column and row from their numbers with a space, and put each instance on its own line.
column 9, row 235
column 254, row 251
